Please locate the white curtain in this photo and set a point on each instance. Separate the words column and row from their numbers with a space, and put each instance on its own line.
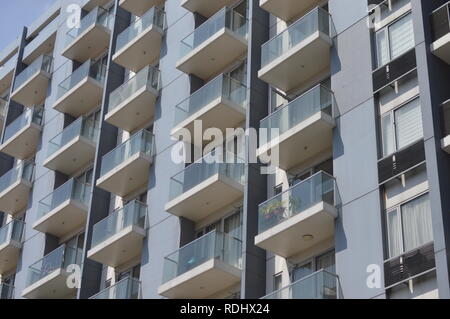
column 408, row 124
column 382, row 48
column 394, row 233
column 416, row 220
column 387, row 135
column 401, row 36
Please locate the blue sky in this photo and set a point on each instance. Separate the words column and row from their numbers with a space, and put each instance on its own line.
column 15, row 14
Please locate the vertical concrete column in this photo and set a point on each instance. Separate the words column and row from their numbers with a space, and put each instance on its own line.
column 253, row 283
column 100, row 199
column 434, row 76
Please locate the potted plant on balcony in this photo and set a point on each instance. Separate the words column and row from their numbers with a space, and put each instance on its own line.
column 273, row 213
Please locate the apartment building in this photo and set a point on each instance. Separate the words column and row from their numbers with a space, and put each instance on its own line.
column 98, row 99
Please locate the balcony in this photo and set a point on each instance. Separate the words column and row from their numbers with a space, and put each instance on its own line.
column 206, row 8
column 319, row 285
column 64, row 210
column 205, row 187
column 73, row 148
column 127, row 288
column 304, row 124
column 91, row 38
column 47, row 278
column 30, row 86
column 15, row 188
column 298, row 218
column 287, row 10
column 206, row 266
column 140, row 44
column 10, row 245
column 221, row 104
column 132, row 105
column 118, row 238
column 299, row 53
column 139, row 7
column 126, row 168
column 214, row 45
column 441, row 32
column 82, row 91
column 445, row 141
column 6, row 291
column 21, row 136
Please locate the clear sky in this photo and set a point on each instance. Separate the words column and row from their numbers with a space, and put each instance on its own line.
column 15, row 14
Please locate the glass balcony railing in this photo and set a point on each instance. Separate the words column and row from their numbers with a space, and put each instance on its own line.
column 440, row 19
column 33, row 115
column 95, row 70
column 199, row 171
column 3, row 104
column 318, row 99
column 23, row 170
column 71, row 190
column 85, row 127
column 319, row 285
column 154, row 16
column 222, row 86
column 141, row 142
column 317, row 20
column 127, row 288
column 43, row 63
column 6, row 291
column 12, row 231
column 134, row 213
column 147, row 77
column 60, row 258
column 98, row 16
column 225, row 18
column 320, row 187
column 8, row 67
column 214, row 245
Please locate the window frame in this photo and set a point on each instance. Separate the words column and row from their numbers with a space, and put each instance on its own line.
column 398, row 208
column 386, row 31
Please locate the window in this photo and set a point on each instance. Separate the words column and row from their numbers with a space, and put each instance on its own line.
column 230, row 224
column 409, row 226
column 394, row 40
column 401, row 127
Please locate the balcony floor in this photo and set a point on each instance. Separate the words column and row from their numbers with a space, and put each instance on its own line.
column 33, row 91
column 294, row 68
column 52, row 286
column 72, row 157
column 135, row 111
column 127, row 177
column 9, row 255
column 14, row 199
column 82, row 98
column 88, row 45
column 445, row 144
column 441, row 48
column 24, row 143
column 288, row 10
column 221, row 113
column 120, row 248
column 209, row 196
column 285, row 239
column 312, row 136
column 214, row 55
column 67, row 217
column 207, row 8
column 142, row 51
column 201, row 282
